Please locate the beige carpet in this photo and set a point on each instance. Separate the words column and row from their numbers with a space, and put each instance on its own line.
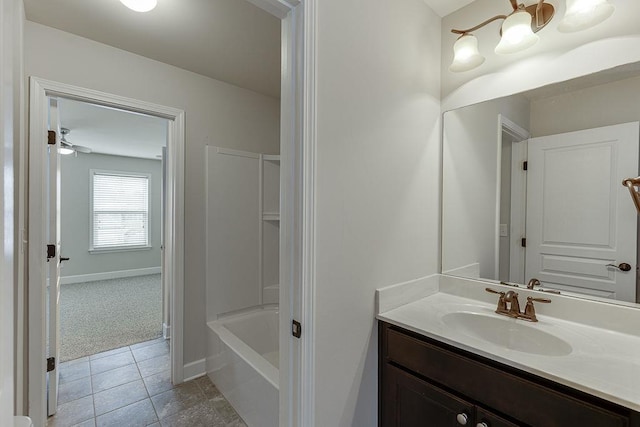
column 107, row 314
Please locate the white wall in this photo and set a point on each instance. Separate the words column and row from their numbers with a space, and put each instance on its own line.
column 11, row 19
column 471, row 158
column 602, row 105
column 216, row 113
column 377, row 185
column 556, row 57
column 75, row 209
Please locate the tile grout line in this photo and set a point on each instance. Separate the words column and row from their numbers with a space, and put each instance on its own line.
column 200, row 386
column 147, row 389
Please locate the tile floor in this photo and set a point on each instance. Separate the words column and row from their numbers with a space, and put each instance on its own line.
column 130, row 387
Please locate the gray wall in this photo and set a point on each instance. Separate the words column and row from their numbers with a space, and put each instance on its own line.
column 217, row 113
column 74, row 209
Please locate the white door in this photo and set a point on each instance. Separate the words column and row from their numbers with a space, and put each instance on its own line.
column 53, row 258
column 581, row 222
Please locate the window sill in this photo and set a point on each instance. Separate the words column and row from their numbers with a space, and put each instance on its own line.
column 120, row 249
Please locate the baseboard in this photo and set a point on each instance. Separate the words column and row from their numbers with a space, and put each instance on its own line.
column 194, row 370
column 166, row 331
column 81, row 278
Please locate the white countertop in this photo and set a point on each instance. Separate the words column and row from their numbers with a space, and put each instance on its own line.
column 603, row 362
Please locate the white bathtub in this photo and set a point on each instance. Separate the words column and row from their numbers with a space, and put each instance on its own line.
column 242, row 361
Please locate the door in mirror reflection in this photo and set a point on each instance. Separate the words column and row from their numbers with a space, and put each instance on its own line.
column 579, row 222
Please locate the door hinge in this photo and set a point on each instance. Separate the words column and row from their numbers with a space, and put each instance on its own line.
column 296, row 328
column 51, row 252
column 525, row 165
column 51, row 137
column 524, row 242
column 51, row 364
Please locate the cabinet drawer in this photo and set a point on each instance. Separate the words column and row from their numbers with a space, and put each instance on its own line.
column 524, row 400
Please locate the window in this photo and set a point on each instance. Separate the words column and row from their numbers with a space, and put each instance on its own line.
column 119, row 210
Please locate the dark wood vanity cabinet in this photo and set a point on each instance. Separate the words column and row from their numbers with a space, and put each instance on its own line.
column 429, row 384
column 412, row 402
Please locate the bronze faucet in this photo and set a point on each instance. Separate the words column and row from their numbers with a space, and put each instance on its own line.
column 533, row 283
column 510, row 300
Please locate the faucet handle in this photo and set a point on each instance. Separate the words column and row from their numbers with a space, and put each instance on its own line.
column 529, row 309
column 544, row 300
column 502, row 303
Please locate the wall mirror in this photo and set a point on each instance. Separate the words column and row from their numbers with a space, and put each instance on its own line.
column 532, row 187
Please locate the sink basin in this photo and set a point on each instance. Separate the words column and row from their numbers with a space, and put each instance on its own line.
column 508, row 333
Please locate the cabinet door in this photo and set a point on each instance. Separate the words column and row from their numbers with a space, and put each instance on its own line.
column 485, row 418
column 410, row 402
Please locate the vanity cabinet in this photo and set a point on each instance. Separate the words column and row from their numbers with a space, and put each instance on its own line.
column 412, row 402
column 427, row 383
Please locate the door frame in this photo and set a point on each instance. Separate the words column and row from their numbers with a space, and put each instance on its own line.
column 520, row 137
column 40, row 91
column 298, row 134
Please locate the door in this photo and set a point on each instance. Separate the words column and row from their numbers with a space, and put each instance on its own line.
column 53, row 260
column 581, row 222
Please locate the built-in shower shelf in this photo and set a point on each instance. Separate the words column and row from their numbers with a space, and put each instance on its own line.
column 271, row 216
column 271, row 157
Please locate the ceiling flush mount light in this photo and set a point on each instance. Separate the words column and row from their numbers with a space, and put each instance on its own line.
column 583, row 14
column 465, row 54
column 140, row 5
column 517, row 31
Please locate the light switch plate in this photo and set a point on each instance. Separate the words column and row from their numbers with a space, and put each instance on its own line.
column 504, row 230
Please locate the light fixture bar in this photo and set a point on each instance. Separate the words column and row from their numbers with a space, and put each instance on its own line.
column 541, row 14
column 477, row 27
column 517, row 33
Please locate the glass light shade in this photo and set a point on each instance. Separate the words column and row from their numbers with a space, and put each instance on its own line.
column 140, row 5
column 583, row 14
column 465, row 54
column 517, row 34
column 65, row 150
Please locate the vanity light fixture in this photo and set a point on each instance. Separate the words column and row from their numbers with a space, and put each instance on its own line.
column 517, row 34
column 465, row 54
column 583, row 14
column 140, row 5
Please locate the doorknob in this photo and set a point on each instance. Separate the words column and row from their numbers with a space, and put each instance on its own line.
column 64, row 259
column 622, row 266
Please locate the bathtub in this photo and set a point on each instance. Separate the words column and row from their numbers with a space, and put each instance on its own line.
column 242, row 361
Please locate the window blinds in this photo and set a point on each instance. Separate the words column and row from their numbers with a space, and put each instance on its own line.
column 120, row 210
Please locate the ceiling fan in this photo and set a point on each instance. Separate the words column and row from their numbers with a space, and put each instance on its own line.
column 67, row 147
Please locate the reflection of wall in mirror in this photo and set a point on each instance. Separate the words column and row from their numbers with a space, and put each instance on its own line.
column 602, row 105
column 471, row 156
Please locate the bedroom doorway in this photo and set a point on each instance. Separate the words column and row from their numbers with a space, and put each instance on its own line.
column 111, row 221
column 114, row 192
